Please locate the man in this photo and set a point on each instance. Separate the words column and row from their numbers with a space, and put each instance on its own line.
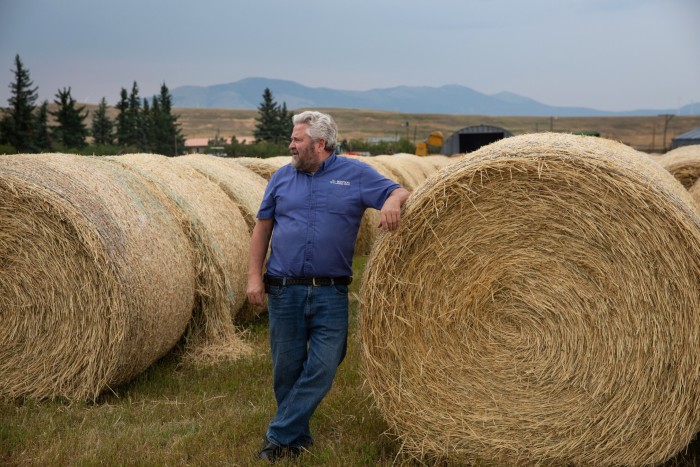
column 311, row 210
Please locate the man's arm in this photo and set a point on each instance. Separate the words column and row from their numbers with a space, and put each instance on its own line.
column 390, row 214
column 259, row 242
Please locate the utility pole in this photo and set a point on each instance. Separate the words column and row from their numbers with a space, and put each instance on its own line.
column 667, row 118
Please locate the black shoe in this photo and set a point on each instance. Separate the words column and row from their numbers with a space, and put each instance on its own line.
column 272, row 452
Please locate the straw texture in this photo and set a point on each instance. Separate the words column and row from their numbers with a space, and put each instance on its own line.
column 695, row 193
column 540, row 304
column 260, row 166
column 245, row 188
column 408, row 175
column 683, row 163
column 95, row 276
column 220, row 239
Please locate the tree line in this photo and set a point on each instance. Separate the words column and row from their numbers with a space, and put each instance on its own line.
column 140, row 126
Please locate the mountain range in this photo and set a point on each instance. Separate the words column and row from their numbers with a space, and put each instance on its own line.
column 449, row 99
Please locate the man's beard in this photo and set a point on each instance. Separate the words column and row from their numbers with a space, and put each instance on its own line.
column 303, row 161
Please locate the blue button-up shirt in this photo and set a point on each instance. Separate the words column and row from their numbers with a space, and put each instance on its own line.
column 317, row 216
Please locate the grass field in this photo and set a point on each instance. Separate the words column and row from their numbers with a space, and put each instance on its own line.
column 178, row 414
column 642, row 133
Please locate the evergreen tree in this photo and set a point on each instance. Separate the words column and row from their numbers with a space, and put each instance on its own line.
column 146, row 128
column 267, row 126
column 285, row 123
column 134, row 127
column 122, row 124
column 18, row 125
column 102, row 126
column 44, row 141
column 167, row 136
column 71, row 130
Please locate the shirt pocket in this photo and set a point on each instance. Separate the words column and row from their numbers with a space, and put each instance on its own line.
column 341, row 199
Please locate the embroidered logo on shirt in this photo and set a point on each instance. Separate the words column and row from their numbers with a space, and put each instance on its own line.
column 340, row 182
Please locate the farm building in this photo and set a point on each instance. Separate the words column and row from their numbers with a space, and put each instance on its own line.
column 472, row 138
column 688, row 138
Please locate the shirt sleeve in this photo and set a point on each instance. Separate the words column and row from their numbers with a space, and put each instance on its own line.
column 267, row 206
column 376, row 188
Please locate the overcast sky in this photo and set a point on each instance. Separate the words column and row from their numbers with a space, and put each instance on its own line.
column 604, row 54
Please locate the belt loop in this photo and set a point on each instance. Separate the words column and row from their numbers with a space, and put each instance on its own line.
column 284, row 282
column 313, row 281
column 332, row 281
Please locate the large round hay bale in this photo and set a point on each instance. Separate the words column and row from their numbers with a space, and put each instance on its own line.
column 407, row 175
column 244, row 187
column 683, row 163
column 539, row 304
column 420, row 164
column 260, row 166
column 220, row 239
column 95, row 276
column 695, row 194
column 439, row 161
column 279, row 161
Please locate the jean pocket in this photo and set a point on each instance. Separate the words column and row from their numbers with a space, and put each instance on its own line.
column 274, row 291
column 340, row 289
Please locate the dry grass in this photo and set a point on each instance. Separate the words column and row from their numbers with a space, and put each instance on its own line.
column 539, row 304
column 95, row 276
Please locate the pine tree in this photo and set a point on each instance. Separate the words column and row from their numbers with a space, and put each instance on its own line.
column 71, row 130
column 134, row 127
column 122, row 123
column 102, row 126
column 146, row 128
column 44, row 142
column 18, row 125
column 267, row 128
column 167, row 136
column 285, row 123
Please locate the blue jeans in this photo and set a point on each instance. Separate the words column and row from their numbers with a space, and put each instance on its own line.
column 308, row 340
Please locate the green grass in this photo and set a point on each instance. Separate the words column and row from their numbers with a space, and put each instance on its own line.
column 179, row 414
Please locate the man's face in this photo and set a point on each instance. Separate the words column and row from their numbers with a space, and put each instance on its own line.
column 305, row 153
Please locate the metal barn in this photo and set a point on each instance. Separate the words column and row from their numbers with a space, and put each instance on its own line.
column 688, row 138
column 471, row 138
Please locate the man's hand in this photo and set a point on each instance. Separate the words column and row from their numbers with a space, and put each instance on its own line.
column 390, row 214
column 259, row 241
column 255, row 290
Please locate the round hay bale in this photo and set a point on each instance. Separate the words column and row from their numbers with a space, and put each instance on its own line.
column 95, row 276
column 695, row 194
column 683, row 163
column 245, row 188
column 220, row 239
column 420, row 164
column 439, row 161
column 279, row 161
column 539, row 305
column 260, row 166
column 407, row 175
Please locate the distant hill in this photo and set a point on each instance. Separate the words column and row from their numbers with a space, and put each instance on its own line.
column 449, row 99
